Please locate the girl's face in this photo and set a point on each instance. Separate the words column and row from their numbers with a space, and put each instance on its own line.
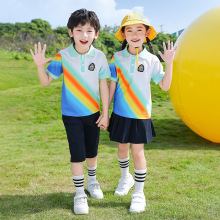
column 135, row 35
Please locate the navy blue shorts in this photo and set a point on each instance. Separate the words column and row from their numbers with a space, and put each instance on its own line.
column 130, row 130
column 83, row 136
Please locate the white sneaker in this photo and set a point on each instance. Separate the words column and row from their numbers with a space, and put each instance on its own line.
column 138, row 202
column 94, row 189
column 124, row 185
column 80, row 204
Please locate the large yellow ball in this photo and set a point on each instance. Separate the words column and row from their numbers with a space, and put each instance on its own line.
column 195, row 88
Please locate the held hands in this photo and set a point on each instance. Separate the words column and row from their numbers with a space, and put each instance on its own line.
column 103, row 122
column 39, row 57
column 169, row 52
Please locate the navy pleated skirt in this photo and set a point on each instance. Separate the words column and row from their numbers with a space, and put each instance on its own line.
column 129, row 130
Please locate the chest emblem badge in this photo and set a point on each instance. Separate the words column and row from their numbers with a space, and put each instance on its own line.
column 91, row 67
column 141, row 68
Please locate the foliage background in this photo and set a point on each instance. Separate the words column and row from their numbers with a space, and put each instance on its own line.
column 20, row 37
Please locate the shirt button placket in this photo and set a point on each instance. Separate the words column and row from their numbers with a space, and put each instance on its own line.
column 82, row 63
column 133, row 57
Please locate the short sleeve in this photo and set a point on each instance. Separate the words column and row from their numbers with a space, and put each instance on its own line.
column 157, row 71
column 104, row 71
column 113, row 70
column 55, row 68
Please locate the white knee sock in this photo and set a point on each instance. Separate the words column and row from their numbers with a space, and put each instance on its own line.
column 91, row 173
column 139, row 180
column 124, row 166
column 79, row 184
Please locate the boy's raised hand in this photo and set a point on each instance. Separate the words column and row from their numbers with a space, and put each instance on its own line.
column 169, row 52
column 39, row 56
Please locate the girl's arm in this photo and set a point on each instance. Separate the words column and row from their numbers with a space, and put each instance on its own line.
column 112, row 88
column 168, row 58
column 40, row 60
column 166, row 82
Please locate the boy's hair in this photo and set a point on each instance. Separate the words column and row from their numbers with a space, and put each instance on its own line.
column 147, row 39
column 82, row 16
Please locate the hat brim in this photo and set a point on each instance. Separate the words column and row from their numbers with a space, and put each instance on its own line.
column 151, row 36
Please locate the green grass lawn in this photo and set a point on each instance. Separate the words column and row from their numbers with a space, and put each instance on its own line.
column 35, row 180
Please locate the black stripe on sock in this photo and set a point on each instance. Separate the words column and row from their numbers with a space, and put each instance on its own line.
column 124, row 166
column 92, row 171
column 139, row 181
column 127, row 161
column 140, row 174
column 78, row 180
column 79, row 185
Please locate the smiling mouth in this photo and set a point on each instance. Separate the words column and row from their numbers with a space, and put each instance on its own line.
column 83, row 42
column 135, row 41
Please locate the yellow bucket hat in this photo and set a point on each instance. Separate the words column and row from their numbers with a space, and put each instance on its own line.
column 135, row 18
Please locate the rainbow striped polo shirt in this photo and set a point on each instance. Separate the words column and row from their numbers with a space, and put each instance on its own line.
column 81, row 75
column 133, row 94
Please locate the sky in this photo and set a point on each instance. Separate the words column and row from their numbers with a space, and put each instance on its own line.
column 168, row 16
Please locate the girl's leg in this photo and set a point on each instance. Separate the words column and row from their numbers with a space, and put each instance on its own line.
column 123, row 157
column 138, row 202
column 126, row 181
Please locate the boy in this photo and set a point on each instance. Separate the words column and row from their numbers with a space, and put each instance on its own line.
column 83, row 67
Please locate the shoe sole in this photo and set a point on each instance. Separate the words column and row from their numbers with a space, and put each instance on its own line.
column 123, row 194
column 134, row 211
column 81, row 212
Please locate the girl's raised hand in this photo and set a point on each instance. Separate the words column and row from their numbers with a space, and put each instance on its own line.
column 169, row 52
column 39, row 56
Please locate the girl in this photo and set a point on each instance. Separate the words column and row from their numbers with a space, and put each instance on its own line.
column 131, row 72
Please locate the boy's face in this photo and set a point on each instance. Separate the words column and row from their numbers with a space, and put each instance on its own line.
column 83, row 37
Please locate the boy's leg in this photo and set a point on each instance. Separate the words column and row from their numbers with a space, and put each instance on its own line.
column 91, row 167
column 80, row 199
column 91, row 132
column 138, row 202
column 78, row 177
column 75, row 135
column 126, row 181
column 92, row 184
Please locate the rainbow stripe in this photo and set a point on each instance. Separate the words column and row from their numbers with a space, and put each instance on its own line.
column 79, row 91
column 131, row 97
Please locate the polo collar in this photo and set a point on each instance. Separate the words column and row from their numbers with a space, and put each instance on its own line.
column 142, row 54
column 74, row 53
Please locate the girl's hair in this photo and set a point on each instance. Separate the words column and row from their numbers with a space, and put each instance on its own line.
column 82, row 16
column 147, row 39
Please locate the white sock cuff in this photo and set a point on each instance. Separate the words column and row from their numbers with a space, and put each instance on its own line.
column 140, row 171
column 91, row 168
column 77, row 177
column 123, row 160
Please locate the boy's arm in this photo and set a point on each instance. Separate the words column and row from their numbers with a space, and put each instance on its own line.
column 112, row 88
column 103, row 120
column 40, row 60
